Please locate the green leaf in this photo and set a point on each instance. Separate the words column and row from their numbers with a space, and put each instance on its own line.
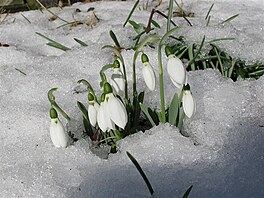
column 230, row 18
column 181, row 118
column 88, row 128
column 155, row 23
column 137, row 99
column 143, row 175
column 186, row 194
column 207, row 15
column 191, row 57
column 173, row 109
column 58, row 46
column 208, row 20
column 145, row 111
column 134, row 24
column 196, row 54
column 113, row 36
column 83, row 109
column 118, row 135
column 219, row 59
column 80, row 42
column 131, row 12
column 170, row 13
column 221, row 39
column 53, row 43
column 154, row 116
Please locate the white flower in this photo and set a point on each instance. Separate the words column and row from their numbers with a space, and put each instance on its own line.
column 118, row 81
column 188, row 103
column 176, row 71
column 149, row 75
column 103, row 118
column 58, row 135
column 92, row 112
column 116, row 110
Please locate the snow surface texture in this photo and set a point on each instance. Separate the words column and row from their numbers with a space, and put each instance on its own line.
column 223, row 157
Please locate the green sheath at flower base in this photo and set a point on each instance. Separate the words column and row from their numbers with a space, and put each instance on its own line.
column 107, row 88
column 90, row 97
column 144, row 58
column 53, row 113
column 186, row 87
column 103, row 97
column 116, row 64
column 168, row 50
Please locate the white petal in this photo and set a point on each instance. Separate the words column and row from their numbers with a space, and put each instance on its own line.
column 92, row 114
column 116, row 111
column 179, row 86
column 58, row 135
column 176, row 69
column 96, row 106
column 118, row 82
column 188, row 104
column 149, row 76
column 103, row 119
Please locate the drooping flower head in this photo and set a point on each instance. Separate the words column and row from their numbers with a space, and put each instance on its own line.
column 58, row 135
column 114, row 107
column 175, row 68
column 92, row 109
column 117, row 79
column 188, row 102
column 148, row 73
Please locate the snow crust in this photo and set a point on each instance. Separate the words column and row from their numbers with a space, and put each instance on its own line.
column 222, row 157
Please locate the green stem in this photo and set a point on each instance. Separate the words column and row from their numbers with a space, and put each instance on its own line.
column 170, row 12
column 134, row 73
column 53, row 103
column 102, row 74
column 124, row 70
column 119, row 55
column 162, row 99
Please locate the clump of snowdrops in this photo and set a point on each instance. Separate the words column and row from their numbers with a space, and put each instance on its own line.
column 113, row 114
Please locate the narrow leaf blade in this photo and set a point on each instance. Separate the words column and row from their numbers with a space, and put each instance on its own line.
column 173, row 109
column 143, row 175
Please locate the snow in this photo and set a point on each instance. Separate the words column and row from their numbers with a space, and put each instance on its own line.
column 222, row 157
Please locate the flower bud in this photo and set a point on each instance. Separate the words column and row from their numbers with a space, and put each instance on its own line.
column 188, row 102
column 58, row 135
column 149, row 76
column 176, row 71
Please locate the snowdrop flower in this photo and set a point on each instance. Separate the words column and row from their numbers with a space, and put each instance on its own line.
column 114, row 107
column 103, row 119
column 58, row 135
column 176, row 69
column 148, row 73
column 92, row 109
column 117, row 79
column 188, row 103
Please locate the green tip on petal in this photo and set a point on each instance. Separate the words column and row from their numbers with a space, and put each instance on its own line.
column 103, row 97
column 53, row 113
column 90, row 97
column 186, row 87
column 116, row 64
column 168, row 50
column 107, row 88
column 144, row 58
